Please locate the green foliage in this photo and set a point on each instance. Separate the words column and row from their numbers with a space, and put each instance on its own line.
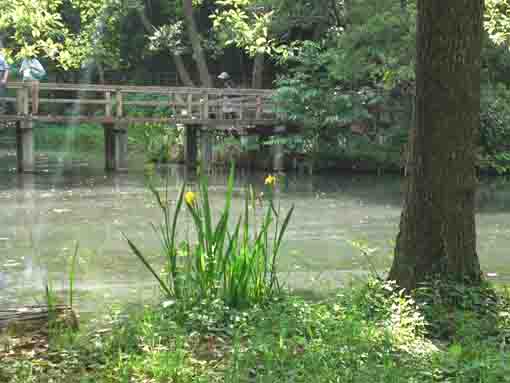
column 48, row 29
column 159, row 141
column 495, row 129
column 76, row 138
column 286, row 339
column 237, row 266
column 370, row 333
column 168, row 38
column 264, row 26
column 497, row 21
column 378, row 48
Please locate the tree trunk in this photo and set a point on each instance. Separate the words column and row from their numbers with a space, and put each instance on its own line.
column 198, row 51
column 347, row 12
column 100, row 72
column 437, row 226
column 182, row 71
column 257, row 81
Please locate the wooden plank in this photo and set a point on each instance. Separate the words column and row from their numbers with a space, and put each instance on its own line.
column 153, row 103
column 108, row 105
column 143, row 89
column 190, row 105
column 205, row 106
column 72, row 101
column 139, row 120
column 140, row 88
column 118, row 99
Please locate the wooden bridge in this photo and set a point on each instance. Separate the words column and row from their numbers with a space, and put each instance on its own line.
column 199, row 110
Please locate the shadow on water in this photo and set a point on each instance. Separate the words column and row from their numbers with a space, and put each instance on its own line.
column 45, row 213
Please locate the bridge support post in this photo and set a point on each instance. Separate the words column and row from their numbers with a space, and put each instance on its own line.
column 24, row 135
column 120, row 149
column 25, row 146
column 206, row 148
column 190, row 145
column 250, row 146
column 108, row 147
column 278, row 152
column 115, row 148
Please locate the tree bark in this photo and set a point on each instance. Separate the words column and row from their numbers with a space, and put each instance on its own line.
column 182, row 71
column 198, row 51
column 100, row 72
column 257, row 81
column 437, row 227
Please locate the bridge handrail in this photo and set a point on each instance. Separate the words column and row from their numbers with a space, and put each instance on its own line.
column 187, row 103
column 144, row 89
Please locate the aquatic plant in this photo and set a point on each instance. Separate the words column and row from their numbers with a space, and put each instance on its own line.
column 236, row 265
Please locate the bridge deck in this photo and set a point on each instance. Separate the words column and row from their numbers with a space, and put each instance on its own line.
column 116, row 107
column 109, row 104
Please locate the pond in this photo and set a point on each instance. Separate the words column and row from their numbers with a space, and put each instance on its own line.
column 68, row 201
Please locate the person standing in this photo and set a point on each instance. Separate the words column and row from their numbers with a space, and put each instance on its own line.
column 32, row 71
column 227, row 106
column 4, row 76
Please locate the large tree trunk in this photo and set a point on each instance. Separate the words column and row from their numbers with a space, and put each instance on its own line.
column 198, row 51
column 257, row 81
column 182, row 71
column 437, row 226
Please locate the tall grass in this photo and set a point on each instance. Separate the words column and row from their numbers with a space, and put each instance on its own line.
column 72, row 274
column 231, row 261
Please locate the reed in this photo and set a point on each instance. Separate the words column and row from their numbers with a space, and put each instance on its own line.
column 232, row 261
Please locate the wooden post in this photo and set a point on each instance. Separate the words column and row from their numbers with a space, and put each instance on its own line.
column 205, row 106
column 206, row 147
column 25, row 137
column 118, row 98
column 108, row 105
column 190, row 105
column 19, row 100
column 190, row 145
column 278, row 154
column 121, row 143
column 258, row 111
column 120, row 138
column 241, row 107
column 108, row 136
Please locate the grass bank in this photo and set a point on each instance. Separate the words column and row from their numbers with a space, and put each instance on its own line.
column 369, row 333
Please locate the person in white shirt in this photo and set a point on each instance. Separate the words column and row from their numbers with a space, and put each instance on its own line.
column 32, row 71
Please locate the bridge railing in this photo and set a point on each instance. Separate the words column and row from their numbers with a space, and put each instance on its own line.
column 110, row 102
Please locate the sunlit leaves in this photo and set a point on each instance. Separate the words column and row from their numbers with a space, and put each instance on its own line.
column 37, row 28
column 497, row 20
column 168, row 37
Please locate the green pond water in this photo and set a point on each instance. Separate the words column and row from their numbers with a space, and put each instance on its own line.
column 66, row 200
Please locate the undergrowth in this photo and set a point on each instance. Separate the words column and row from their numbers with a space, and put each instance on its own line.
column 370, row 333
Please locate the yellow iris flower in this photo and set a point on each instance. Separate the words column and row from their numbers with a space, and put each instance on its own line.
column 190, row 197
column 270, row 180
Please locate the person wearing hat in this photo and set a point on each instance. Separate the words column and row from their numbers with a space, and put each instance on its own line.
column 227, row 107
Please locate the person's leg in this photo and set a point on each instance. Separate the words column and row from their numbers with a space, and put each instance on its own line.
column 35, row 97
column 3, row 93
